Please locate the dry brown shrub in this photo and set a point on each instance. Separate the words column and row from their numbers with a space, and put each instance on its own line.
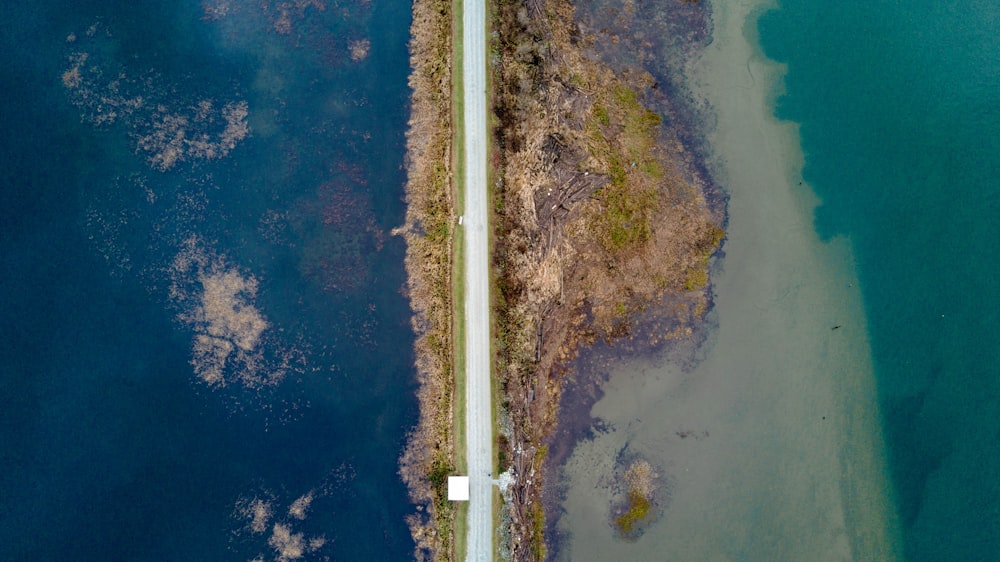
column 429, row 452
column 598, row 225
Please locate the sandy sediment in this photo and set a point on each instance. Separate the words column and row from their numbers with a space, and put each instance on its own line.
column 770, row 444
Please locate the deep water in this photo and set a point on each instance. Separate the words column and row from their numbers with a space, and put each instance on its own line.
column 205, row 351
column 899, row 125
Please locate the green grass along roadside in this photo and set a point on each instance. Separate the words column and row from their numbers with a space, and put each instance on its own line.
column 458, row 271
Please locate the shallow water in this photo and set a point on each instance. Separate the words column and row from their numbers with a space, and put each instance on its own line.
column 206, row 352
column 769, row 447
column 899, row 124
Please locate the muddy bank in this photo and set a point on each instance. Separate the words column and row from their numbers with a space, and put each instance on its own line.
column 663, row 39
column 769, row 444
column 605, row 226
column 585, row 380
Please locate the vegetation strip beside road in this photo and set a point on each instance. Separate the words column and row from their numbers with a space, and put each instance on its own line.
column 458, row 277
column 429, row 456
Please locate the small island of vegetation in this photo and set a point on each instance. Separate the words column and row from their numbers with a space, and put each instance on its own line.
column 637, row 512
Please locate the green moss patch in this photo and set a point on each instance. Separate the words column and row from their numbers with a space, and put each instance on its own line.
column 637, row 511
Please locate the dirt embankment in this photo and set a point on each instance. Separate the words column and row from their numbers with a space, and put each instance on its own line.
column 598, row 216
column 429, row 455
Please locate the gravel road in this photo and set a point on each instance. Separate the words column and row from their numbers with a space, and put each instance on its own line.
column 479, row 441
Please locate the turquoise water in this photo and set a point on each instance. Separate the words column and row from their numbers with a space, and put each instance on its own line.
column 205, row 351
column 898, row 105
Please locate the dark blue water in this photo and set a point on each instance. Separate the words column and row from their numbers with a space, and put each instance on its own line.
column 201, row 310
column 898, row 105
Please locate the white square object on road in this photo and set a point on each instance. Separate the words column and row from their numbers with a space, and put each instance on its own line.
column 458, row 488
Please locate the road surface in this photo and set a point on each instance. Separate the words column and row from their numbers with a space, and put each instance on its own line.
column 478, row 419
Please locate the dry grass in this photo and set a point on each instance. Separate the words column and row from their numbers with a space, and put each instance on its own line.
column 429, row 455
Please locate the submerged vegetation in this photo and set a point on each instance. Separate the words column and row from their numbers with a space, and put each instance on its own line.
column 636, row 510
column 639, row 477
